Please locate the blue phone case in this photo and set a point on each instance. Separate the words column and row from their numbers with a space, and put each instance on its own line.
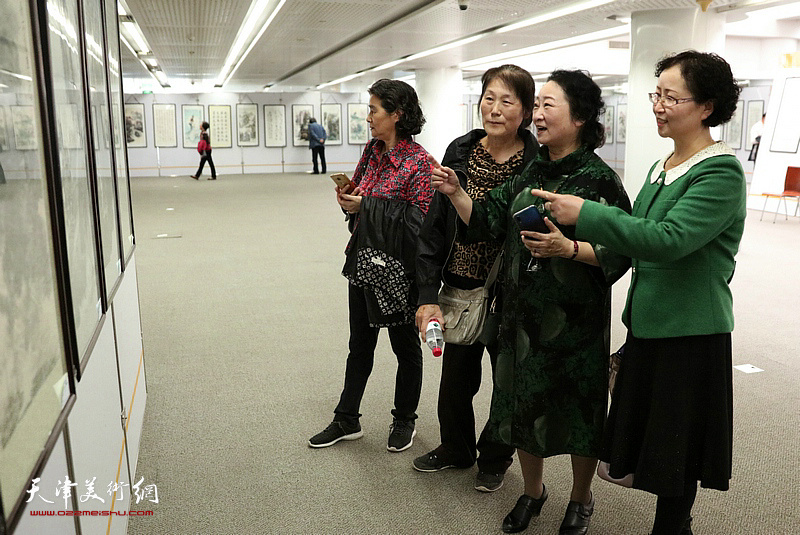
column 531, row 219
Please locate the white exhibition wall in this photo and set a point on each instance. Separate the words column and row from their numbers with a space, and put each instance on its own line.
column 183, row 160
column 779, row 142
column 180, row 160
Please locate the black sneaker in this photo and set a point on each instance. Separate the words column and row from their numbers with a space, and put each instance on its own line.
column 432, row 462
column 401, row 435
column 335, row 432
column 486, row 482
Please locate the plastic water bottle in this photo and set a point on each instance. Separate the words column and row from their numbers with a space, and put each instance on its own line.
column 434, row 337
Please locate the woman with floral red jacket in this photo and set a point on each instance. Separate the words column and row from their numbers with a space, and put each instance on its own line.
column 385, row 209
column 204, row 148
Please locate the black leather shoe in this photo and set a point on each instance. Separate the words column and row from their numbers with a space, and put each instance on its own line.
column 520, row 516
column 576, row 519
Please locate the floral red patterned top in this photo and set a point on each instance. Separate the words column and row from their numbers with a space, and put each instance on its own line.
column 402, row 174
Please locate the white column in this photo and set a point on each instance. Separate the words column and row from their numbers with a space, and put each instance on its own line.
column 440, row 95
column 655, row 34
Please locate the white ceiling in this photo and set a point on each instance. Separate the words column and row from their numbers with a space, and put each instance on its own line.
column 316, row 41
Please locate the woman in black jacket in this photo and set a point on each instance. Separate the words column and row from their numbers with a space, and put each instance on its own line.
column 482, row 159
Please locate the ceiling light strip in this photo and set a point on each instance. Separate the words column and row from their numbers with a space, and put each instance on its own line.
column 224, row 76
column 569, row 10
column 138, row 38
column 414, row 10
column 394, row 63
column 557, row 13
column 553, row 45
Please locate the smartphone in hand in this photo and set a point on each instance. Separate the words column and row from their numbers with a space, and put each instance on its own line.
column 531, row 219
column 342, row 181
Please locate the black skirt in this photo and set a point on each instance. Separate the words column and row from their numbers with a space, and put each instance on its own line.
column 671, row 417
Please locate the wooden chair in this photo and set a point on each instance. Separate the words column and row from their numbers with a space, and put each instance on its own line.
column 791, row 190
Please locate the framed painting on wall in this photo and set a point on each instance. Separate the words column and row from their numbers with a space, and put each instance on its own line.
column 622, row 122
column 247, row 125
column 332, row 123
column 477, row 122
column 357, row 123
column 274, row 125
column 786, row 136
column 164, row 125
column 192, row 117
column 69, row 121
column 301, row 115
column 733, row 130
column 3, row 128
column 608, row 124
column 134, row 125
column 219, row 118
column 755, row 109
column 24, row 124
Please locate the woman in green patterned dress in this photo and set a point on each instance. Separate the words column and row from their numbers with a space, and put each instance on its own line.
column 550, row 389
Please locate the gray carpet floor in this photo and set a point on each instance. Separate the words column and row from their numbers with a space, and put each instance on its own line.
column 244, row 318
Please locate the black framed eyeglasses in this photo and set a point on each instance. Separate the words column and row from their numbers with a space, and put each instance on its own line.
column 666, row 100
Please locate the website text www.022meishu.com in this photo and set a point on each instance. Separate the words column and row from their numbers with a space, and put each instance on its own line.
column 91, row 513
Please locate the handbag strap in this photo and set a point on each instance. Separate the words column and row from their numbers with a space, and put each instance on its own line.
column 494, row 271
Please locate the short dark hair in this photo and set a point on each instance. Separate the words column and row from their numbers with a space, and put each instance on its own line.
column 709, row 79
column 205, row 125
column 517, row 80
column 585, row 104
column 397, row 96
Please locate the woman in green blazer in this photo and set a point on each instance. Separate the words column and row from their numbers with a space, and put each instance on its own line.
column 670, row 424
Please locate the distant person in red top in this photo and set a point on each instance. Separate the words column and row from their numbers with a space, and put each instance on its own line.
column 204, row 148
column 385, row 207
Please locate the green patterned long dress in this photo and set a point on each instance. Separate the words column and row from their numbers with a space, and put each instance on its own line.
column 551, row 385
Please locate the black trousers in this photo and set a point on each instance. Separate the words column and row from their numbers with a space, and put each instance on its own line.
column 461, row 380
column 363, row 339
column 321, row 152
column 206, row 157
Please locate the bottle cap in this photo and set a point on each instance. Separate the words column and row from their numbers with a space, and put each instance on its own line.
column 437, row 351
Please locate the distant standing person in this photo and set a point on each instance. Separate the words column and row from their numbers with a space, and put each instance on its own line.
column 755, row 138
column 204, row 148
column 316, row 142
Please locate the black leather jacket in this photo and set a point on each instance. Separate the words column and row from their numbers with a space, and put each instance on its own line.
column 439, row 229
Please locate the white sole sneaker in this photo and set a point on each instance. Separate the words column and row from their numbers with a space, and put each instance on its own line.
column 351, row 436
column 404, row 448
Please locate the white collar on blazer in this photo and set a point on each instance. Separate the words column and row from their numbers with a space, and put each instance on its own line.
column 717, row 149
